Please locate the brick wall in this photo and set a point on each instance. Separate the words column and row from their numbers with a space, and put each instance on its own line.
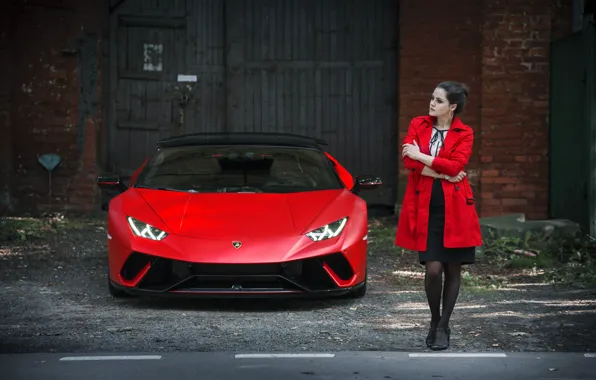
column 498, row 48
column 515, row 97
column 439, row 42
column 501, row 50
column 47, row 93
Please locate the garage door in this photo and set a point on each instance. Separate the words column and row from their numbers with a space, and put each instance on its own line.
column 321, row 68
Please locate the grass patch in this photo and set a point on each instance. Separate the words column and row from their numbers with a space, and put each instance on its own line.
column 26, row 229
column 381, row 236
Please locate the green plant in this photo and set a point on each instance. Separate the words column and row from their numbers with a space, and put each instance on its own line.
column 564, row 259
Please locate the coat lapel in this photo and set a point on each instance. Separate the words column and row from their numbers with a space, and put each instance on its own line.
column 424, row 136
column 452, row 137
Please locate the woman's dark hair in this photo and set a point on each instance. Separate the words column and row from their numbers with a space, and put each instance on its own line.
column 457, row 93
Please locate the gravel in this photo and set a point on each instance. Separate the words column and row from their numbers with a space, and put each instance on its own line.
column 53, row 298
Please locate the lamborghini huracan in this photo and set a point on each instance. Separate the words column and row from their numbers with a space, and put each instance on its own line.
column 238, row 214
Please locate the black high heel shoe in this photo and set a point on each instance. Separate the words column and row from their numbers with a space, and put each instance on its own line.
column 442, row 339
column 430, row 338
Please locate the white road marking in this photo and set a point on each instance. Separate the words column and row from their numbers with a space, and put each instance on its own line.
column 120, row 357
column 263, row 356
column 303, row 356
column 458, row 355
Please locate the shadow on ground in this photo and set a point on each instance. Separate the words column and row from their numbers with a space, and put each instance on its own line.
column 53, row 298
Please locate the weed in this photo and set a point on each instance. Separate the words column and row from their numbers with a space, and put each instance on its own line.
column 569, row 260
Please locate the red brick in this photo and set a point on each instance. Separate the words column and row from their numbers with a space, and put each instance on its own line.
column 490, row 173
column 487, row 195
column 489, row 202
column 524, row 36
column 491, row 210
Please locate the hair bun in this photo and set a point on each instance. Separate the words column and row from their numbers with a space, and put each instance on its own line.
column 457, row 93
column 465, row 89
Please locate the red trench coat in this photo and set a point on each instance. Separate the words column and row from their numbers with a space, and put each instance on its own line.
column 462, row 228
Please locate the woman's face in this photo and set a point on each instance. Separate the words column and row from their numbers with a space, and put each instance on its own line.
column 439, row 105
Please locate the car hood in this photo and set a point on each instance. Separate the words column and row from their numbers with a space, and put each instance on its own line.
column 225, row 215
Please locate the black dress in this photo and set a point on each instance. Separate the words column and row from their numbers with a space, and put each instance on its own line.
column 435, row 249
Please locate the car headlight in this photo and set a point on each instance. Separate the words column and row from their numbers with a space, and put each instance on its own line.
column 328, row 231
column 145, row 230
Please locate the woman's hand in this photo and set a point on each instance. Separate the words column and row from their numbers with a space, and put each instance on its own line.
column 411, row 150
column 458, row 178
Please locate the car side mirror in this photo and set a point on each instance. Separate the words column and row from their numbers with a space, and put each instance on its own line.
column 366, row 183
column 111, row 183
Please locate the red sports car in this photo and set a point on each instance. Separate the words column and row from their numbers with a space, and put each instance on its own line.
column 238, row 214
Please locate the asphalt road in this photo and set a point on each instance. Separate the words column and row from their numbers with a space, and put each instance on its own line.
column 329, row 366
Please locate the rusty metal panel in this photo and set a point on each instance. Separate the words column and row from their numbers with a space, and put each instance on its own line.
column 320, row 68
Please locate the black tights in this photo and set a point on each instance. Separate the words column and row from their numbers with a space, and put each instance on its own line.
column 434, row 288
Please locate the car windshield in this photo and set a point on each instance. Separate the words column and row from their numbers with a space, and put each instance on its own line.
column 239, row 169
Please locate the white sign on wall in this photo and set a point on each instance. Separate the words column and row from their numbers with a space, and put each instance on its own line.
column 187, row 78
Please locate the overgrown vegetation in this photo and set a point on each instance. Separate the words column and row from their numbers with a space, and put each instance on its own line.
column 566, row 260
column 503, row 260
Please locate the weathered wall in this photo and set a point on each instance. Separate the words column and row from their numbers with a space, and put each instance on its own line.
column 55, row 92
column 501, row 50
column 515, row 96
column 438, row 43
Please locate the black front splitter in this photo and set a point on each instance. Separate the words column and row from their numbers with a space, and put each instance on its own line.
column 218, row 293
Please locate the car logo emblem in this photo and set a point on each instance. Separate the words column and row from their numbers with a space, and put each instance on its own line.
column 237, row 244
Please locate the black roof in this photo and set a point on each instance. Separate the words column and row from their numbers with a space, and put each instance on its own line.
column 242, row 138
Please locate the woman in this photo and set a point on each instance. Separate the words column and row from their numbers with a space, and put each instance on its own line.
column 438, row 217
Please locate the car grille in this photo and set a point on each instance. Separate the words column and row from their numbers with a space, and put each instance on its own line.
column 293, row 276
